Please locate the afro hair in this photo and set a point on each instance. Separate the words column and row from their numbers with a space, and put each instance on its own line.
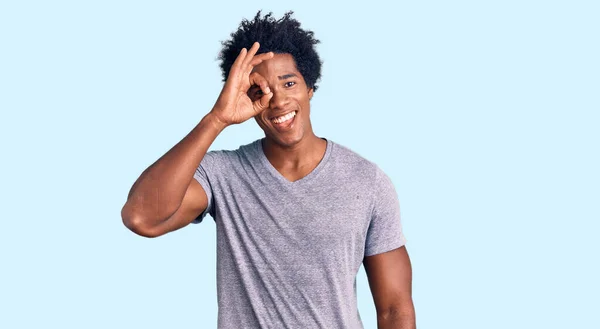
column 281, row 36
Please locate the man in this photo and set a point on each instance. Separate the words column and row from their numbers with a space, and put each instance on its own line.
column 296, row 215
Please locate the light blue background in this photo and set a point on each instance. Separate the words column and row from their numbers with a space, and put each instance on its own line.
column 483, row 113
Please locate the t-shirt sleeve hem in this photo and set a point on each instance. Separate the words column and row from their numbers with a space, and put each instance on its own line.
column 394, row 244
column 207, row 189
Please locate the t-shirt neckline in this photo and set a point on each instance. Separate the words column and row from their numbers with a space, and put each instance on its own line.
column 278, row 176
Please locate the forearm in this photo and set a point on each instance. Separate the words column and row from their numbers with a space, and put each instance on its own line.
column 397, row 318
column 159, row 190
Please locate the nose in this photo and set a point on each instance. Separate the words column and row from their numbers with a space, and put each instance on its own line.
column 279, row 100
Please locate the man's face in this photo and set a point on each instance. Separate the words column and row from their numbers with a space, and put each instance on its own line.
column 286, row 121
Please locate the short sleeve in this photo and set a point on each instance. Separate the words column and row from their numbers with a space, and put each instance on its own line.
column 385, row 229
column 203, row 175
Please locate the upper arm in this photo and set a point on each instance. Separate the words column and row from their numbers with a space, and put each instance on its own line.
column 385, row 228
column 194, row 202
column 390, row 280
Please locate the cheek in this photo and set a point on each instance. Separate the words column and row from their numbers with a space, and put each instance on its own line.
column 260, row 121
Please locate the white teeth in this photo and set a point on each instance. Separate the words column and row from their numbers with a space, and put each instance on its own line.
column 284, row 118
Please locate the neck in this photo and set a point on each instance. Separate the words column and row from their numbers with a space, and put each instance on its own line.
column 306, row 153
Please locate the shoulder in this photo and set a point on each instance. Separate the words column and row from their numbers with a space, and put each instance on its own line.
column 225, row 158
column 359, row 168
column 362, row 173
column 349, row 160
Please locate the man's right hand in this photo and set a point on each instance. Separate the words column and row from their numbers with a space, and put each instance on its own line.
column 233, row 105
column 166, row 197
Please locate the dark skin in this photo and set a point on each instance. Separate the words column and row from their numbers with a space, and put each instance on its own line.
column 390, row 280
column 294, row 150
column 266, row 86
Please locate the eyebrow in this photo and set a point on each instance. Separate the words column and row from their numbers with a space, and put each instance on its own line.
column 287, row 76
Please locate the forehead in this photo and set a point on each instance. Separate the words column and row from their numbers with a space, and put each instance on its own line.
column 279, row 65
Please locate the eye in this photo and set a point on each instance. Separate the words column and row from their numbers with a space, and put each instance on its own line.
column 255, row 93
column 290, row 83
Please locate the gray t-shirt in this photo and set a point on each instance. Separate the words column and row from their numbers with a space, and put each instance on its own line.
column 288, row 252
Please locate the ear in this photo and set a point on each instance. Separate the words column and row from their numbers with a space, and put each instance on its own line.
column 310, row 93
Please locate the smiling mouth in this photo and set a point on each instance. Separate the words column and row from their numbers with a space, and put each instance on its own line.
column 283, row 118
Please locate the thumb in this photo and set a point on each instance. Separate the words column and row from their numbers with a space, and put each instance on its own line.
column 262, row 103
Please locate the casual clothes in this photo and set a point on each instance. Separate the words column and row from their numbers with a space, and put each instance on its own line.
column 288, row 252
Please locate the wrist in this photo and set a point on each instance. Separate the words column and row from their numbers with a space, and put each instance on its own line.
column 215, row 121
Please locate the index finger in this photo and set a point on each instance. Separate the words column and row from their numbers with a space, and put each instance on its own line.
column 258, row 59
column 260, row 81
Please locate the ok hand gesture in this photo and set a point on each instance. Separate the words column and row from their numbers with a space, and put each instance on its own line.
column 233, row 105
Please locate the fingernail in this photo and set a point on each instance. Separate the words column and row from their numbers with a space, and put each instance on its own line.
column 268, row 90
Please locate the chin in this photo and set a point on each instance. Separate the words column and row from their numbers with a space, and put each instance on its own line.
column 285, row 140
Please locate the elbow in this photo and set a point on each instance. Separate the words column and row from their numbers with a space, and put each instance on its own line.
column 400, row 314
column 138, row 225
column 396, row 313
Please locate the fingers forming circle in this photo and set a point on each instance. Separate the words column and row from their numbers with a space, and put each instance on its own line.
column 260, row 81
